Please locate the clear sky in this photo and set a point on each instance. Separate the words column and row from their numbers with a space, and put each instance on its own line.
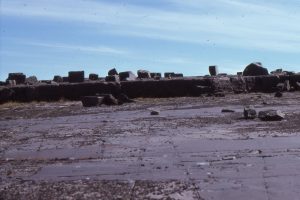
column 49, row 37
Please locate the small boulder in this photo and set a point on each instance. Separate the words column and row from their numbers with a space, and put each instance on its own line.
column 249, row 112
column 155, row 75
column 154, row 112
column 90, row 101
column 93, row 77
column 227, row 111
column 178, row 75
column 271, row 115
column 213, row 70
column 31, row 80
column 143, row 74
column 127, row 76
column 112, row 72
column 58, row 79
column 255, row 69
column 169, row 74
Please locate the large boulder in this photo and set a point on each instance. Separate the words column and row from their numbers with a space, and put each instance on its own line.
column 20, row 78
column 255, row 69
column 213, row 70
column 76, row 76
column 127, row 76
column 143, row 74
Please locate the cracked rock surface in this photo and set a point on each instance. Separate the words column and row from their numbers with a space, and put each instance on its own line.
column 191, row 150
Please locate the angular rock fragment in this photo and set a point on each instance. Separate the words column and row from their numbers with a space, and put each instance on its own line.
column 255, row 69
column 112, row 72
column 154, row 112
column 169, row 74
column 90, row 101
column 76, row 76
column 143, row 74
column 213, row 70
column 57, row 79
column 249, row 112
column 31, row 80
column 127, row 76
column 20, row 78
column 271, row 115
column 155, row 75
column 93, row 77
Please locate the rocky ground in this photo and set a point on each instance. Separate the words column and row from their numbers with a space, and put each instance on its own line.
column 191, row 150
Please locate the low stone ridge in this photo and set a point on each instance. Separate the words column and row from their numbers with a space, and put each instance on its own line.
column 255, row 69
column 175, row 85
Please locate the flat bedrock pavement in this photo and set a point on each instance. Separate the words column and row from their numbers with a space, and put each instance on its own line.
column 190, row 150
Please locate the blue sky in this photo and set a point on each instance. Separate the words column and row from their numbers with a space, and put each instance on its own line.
column 49, row 37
